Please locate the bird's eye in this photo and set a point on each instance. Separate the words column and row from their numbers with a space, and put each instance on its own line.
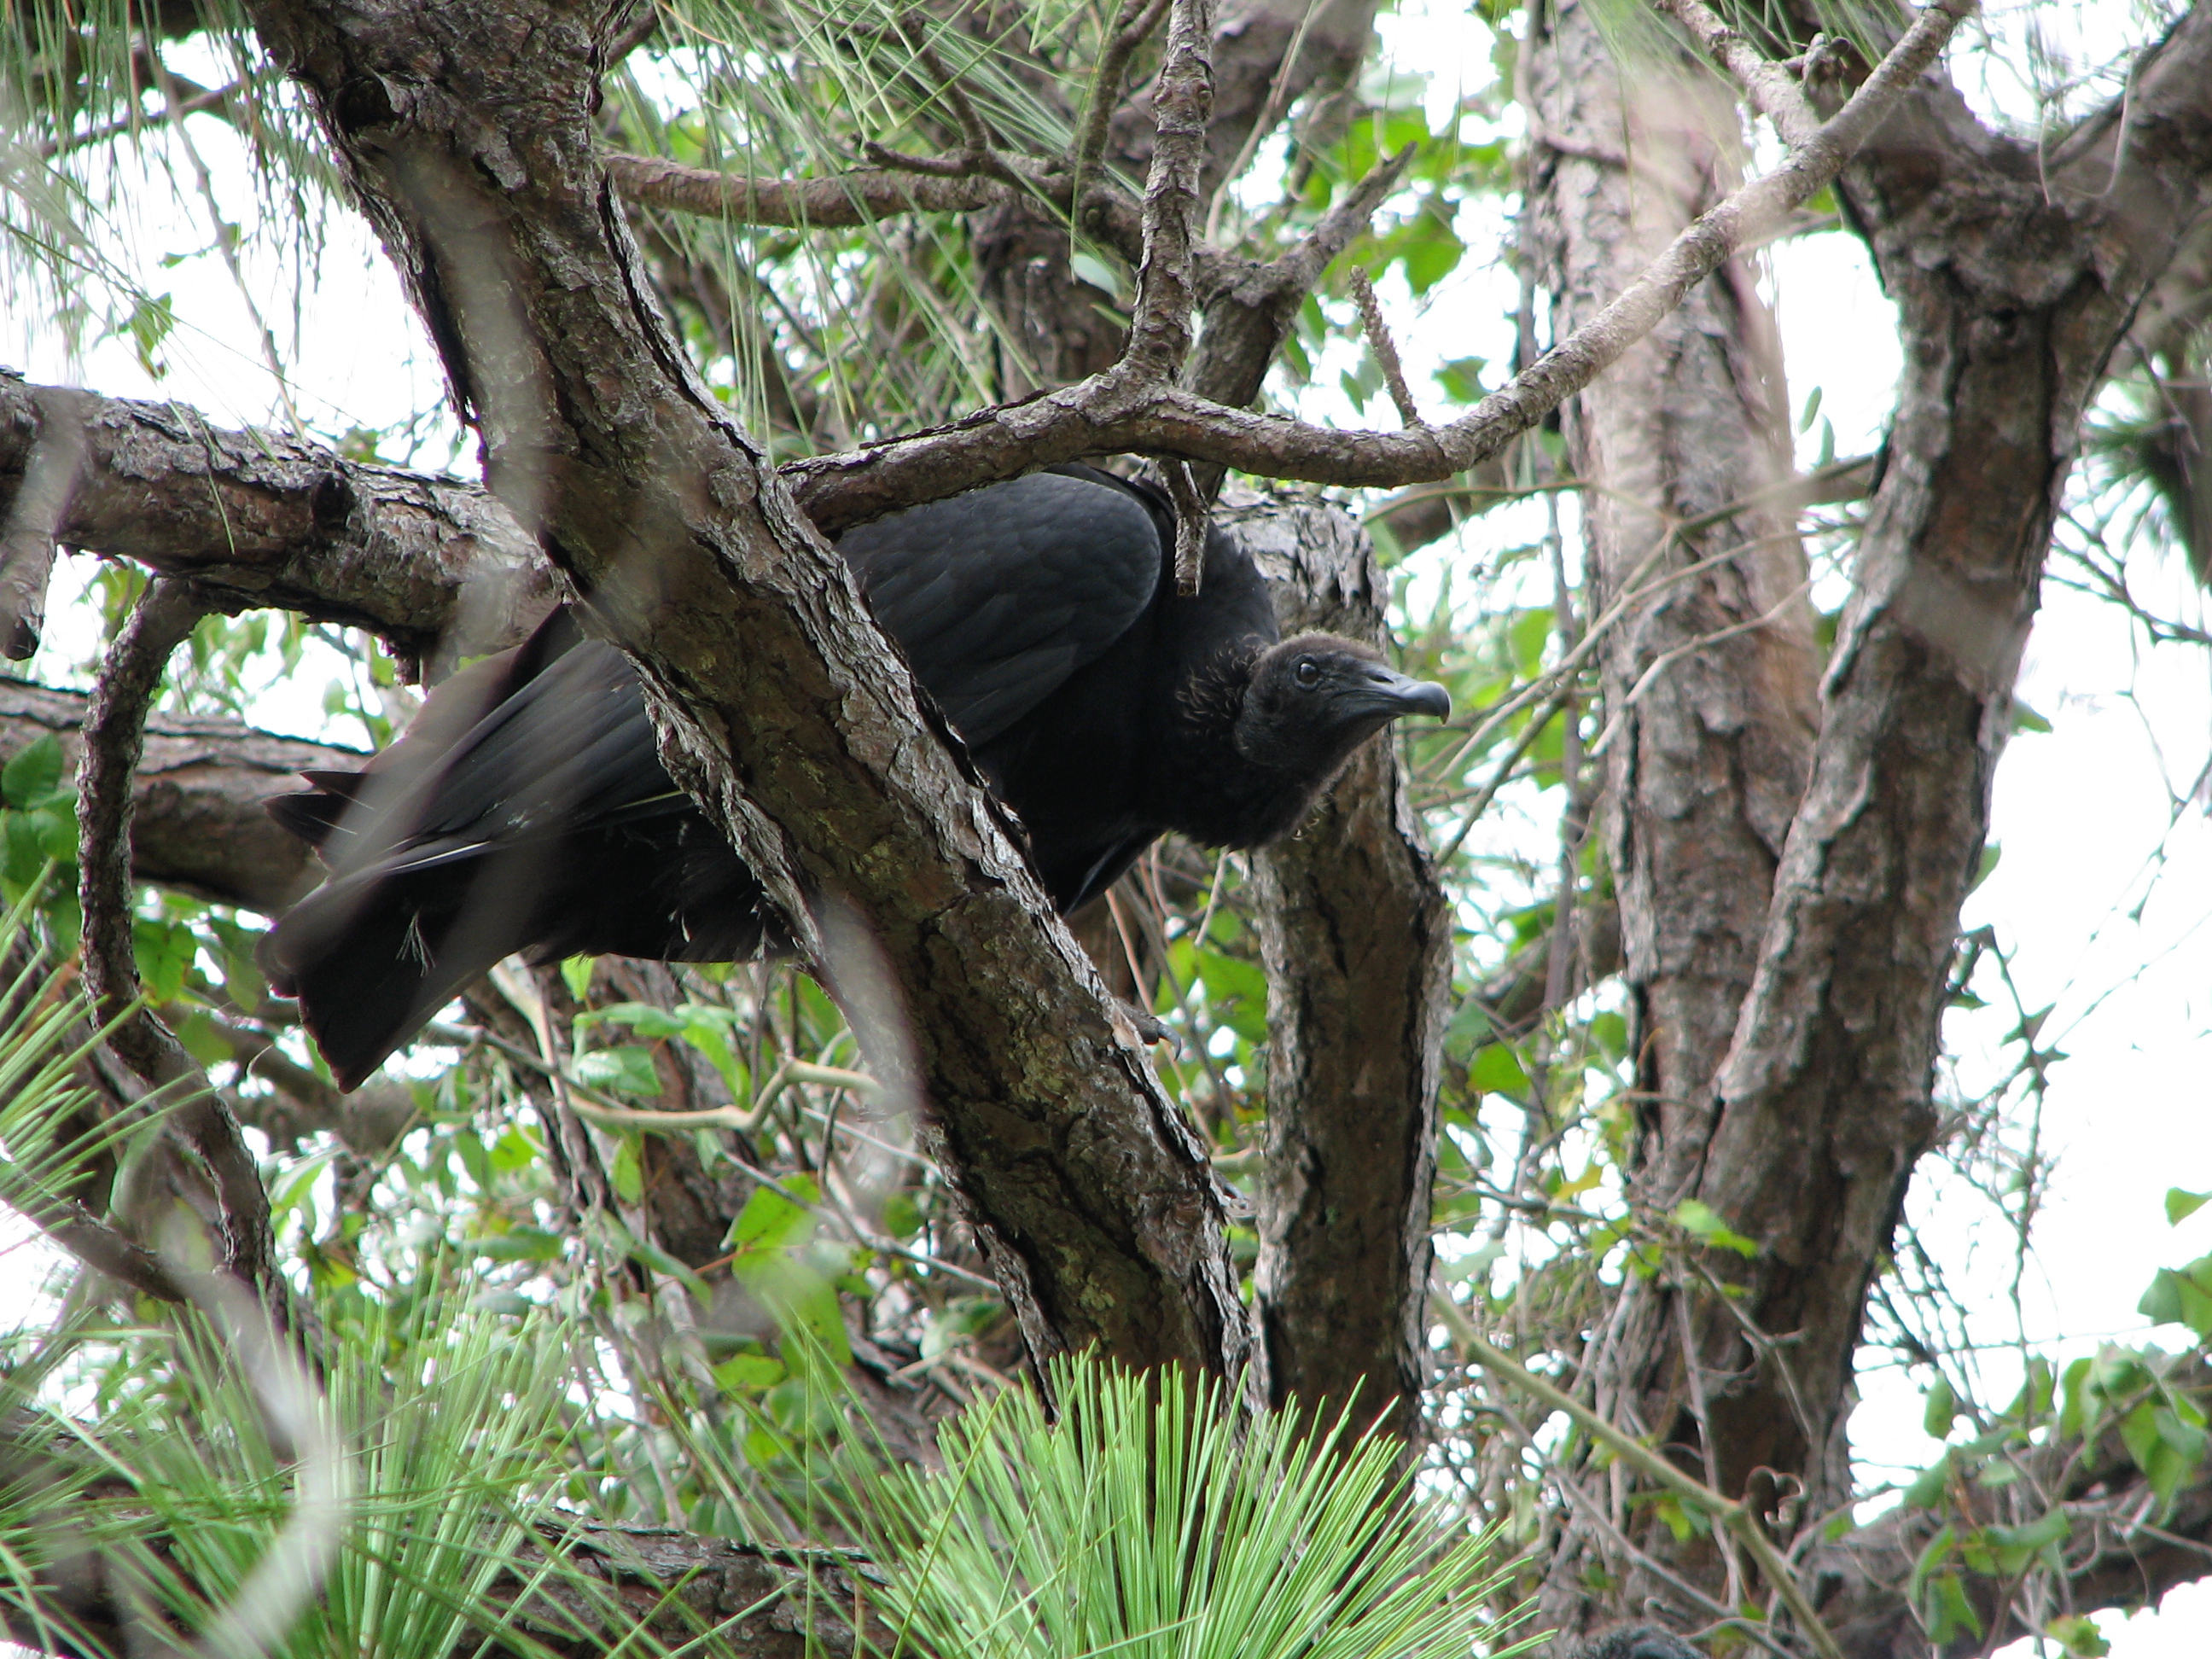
column 1309, row 673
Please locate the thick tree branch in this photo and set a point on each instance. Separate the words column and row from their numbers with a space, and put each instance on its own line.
column 196, row 819
column 258, row 518
column 50, row 473
column 1356, row 938
column 1183, row 103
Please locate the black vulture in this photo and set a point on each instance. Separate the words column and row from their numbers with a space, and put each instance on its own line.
column 526, row 809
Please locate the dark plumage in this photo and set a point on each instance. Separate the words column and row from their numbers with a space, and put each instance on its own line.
column 526, row 808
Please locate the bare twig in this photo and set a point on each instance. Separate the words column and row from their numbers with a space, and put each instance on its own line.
column 973, row 133
column 1739, row 1518
column 1774, row 91
column 1138, row 19
column 1125, row 408
column 1384, row 347
column 100, row 1247
column 899, row 184
column 1190, row 526
column 114, row 734
column 193, row 101
column 1183, row 103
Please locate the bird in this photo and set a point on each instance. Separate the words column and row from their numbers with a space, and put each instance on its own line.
column 526, row 808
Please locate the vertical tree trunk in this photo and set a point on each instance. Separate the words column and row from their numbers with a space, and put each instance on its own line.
column 1789, row 977
column 1357, row 939
column 1709, row 680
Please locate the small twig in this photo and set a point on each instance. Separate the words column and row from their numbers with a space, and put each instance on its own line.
column 226, row 243
column 1263, row 123
column 973, row 133
column 100, row 1247
column 899, row 184
column 1666, row 659
column 1384, row 347
column 1190, row 526
column 196, row 99
column 1738, row 1517
column 1502, row 774
column 114, row 738
column 1774, row 92
column 968, row 164
column 1138, row 19
column 1134, row 406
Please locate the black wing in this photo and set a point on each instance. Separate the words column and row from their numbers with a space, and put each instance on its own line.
column 998, row 595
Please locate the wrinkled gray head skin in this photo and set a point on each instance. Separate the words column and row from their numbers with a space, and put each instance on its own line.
column 1312, row 700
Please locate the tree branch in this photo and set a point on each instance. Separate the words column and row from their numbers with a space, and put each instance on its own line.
column 783, row 709
column 433, row 565
column 1118, row 411
column 113, row 728
column 196, row 822
column 1183, row 102
column 951, row 184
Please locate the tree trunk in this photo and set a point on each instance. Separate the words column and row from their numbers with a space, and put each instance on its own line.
column 1357, row 938
column 1788, row 966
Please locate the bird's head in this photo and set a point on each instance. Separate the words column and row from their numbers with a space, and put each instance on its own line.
column 1312, row 700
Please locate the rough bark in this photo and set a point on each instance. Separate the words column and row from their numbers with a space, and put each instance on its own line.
column 1356, row 936
column 1711, row 743
column 197, row 822
column 784, row 711
column 256, row 518
column 1790, row 1052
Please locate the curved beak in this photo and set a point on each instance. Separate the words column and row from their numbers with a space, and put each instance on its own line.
column 1390, row 694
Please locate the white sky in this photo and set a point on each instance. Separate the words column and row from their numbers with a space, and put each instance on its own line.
column 2120, row 943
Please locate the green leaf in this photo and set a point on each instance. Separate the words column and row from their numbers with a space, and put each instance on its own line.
column 576, row 975
column 902, row 1216
column 1951, row 1610
column 165, row 950
column 2073, row 1393
column 1704, row 1223
column 2078, row 1634
column 33, row 774
column 771, row 1221
column 149, row 323
column 627, row 1070
column 2180, row 1204
column 1928, row 1487
column 749, row 1373
column 627, row 1174
column 2015, row 1547
column 1089, row 268
column 1942, row 1410
column 1496, row 1069
column 1461, row 380
column 519, row 1244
